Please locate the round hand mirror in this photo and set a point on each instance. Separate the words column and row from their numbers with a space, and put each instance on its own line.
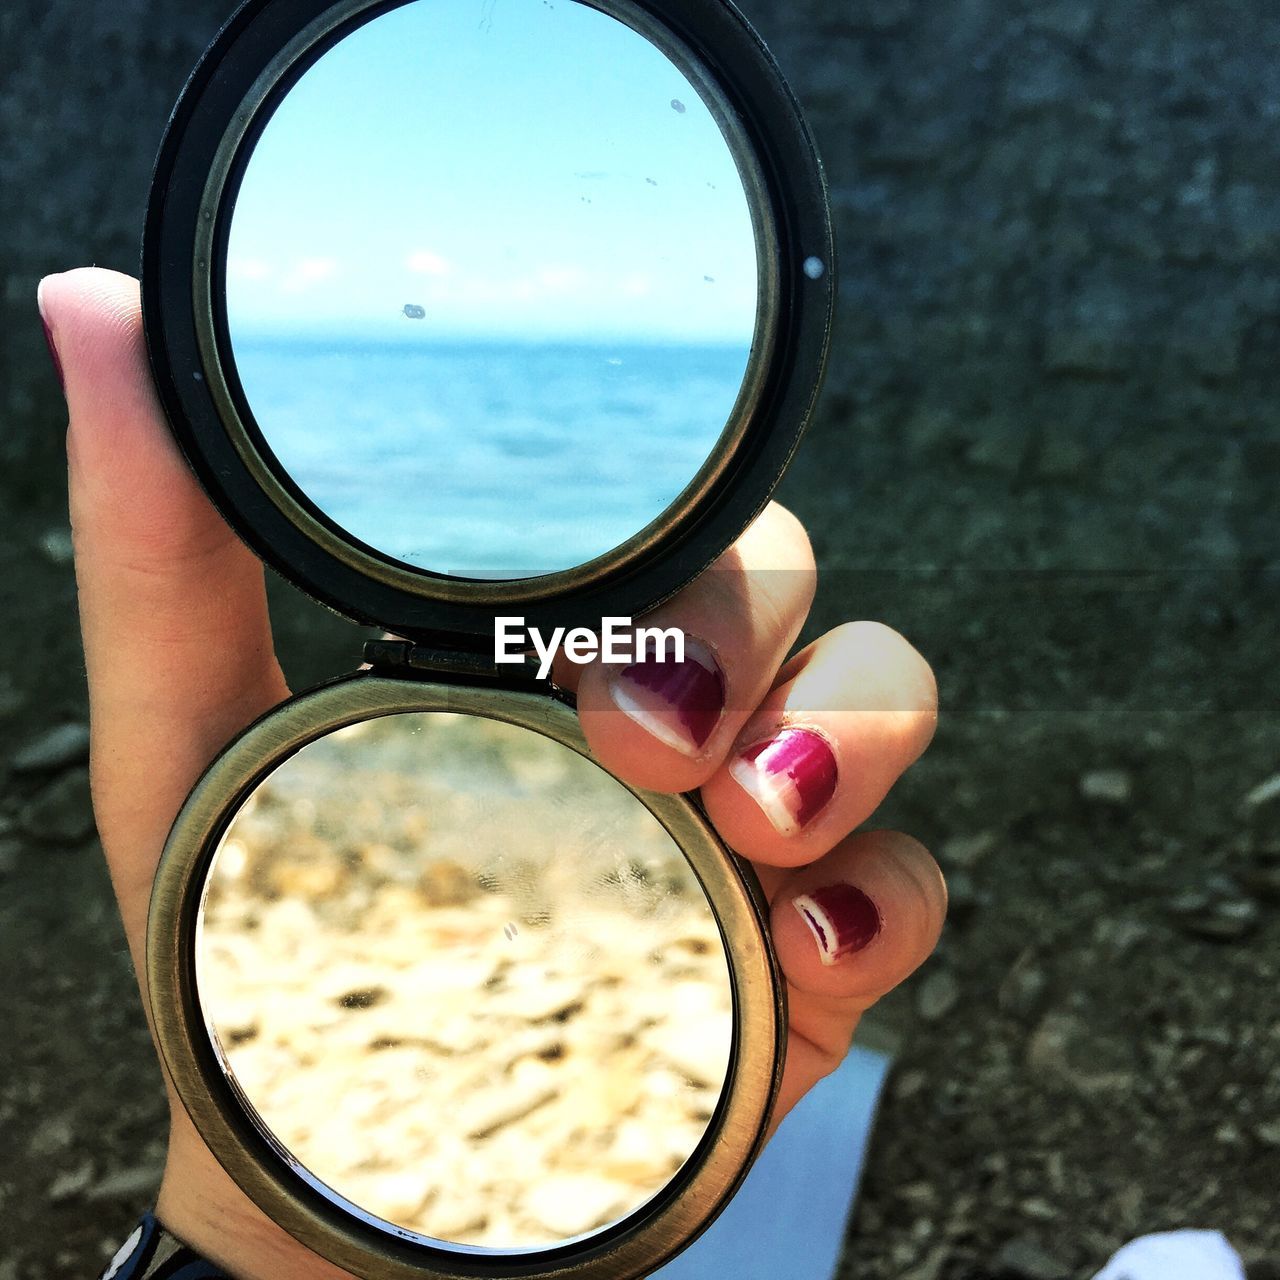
column 485, row 1001
column 461, row 309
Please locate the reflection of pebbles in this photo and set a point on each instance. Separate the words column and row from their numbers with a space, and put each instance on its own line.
column 484, row 1048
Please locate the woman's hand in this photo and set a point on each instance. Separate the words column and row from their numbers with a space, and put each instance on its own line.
column 789, row 758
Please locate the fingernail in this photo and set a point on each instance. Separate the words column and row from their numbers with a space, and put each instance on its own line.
column 680, row 703
column 791, row 775
column 48, row 337
column 841, row 918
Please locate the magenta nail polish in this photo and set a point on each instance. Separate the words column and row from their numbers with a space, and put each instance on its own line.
column 680, row 703
column 842, row 919
column 53, row 352
column 791, row 775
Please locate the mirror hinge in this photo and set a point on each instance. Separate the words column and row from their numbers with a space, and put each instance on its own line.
column 404, row 657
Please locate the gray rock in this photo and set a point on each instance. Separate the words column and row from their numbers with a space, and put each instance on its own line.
column 1266, row 792
column 967, row 851
column 126, row 1184
column 1107, row 786
column 53, row 1135
column 1064, row 1048
column 1023, row 988
column 909, row 1083
column 61, row 812
column 56, row 748
column 1121, row 933
column 930, row 1267
column 70, row 1184
column 1219, row 920
column 56, row 546
column 1269, row 1132
column 9, row 853
column 937, row 995
column 1039, row 1208
column 1023, row 1259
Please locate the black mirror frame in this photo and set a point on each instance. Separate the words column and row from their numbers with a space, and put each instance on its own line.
column 797, row 306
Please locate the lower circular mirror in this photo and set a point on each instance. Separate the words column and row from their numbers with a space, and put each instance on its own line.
column 447, row 999
column 466, row 980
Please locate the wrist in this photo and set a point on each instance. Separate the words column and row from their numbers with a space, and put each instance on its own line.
column 200, row 1205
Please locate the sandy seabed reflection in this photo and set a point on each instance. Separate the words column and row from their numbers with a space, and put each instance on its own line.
column 466, row 979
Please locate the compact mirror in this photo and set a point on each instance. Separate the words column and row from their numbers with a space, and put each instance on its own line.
column 447, row 999
column 466, row 980
column 491, row 285
column 465, row 309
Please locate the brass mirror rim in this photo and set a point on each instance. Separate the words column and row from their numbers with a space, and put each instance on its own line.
column 345, row 546
column 648, row 1237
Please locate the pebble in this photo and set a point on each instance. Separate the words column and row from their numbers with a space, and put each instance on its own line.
column 126, row 1184
column 1022, row 989
column 1023, row 1259
column 1065, row 1048
column 57, row 547
column 69, row 1185
column 966, row 851
column 61, row 812
column 909, row 1084
column 937, row 995
column 1107, row 786
column 1269, row 1132
column 1264, row 793
column 53, row 1135
column 1039, row 1208
column 57, row 748
column 930, row 1267
column 1121, row 933
column 1220, row 920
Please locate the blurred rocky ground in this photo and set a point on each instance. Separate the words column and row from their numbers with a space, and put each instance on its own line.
column 1046, row 452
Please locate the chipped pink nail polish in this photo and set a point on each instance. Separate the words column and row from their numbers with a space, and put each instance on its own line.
column 680, row 703
column 791, row 775
column 841, row 918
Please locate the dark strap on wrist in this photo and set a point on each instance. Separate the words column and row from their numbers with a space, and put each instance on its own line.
column 151, row 1253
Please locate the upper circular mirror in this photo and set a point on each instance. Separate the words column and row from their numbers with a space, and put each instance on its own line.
column 465, row 982
column 491, row 285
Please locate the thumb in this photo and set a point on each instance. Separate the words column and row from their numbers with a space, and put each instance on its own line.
column 172, row 607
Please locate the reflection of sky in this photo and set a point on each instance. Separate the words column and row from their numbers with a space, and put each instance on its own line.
column 513, row 167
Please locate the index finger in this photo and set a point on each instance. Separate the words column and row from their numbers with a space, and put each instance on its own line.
column 667, row 725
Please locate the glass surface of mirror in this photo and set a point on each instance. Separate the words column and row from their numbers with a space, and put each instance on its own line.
column 491, row 284
column 465, row 980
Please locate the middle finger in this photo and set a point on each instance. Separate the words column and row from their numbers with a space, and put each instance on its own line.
column 667, row 726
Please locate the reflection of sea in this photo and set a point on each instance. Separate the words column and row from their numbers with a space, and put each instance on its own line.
column 490, row 457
